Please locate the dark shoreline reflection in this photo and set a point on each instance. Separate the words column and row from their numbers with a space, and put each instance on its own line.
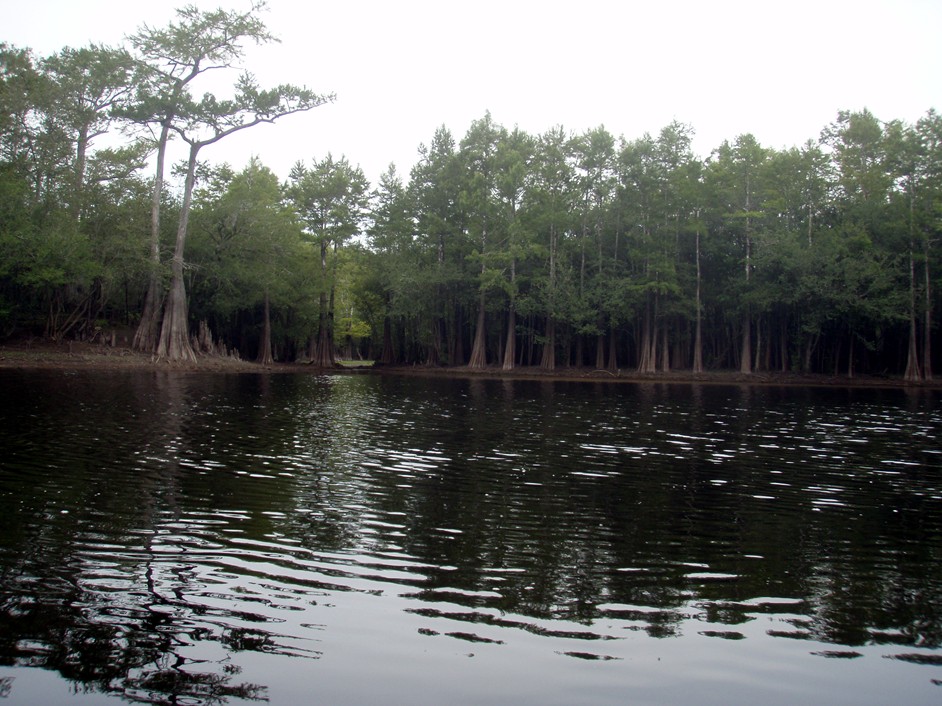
column 161, row 532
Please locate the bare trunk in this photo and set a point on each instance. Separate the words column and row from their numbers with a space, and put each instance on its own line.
column 647, row 360
column 745, row 361
column 759, row 348
column 548, row 357
column 435, row 350
column 809, row 349
column 264, row 347
column 330, row 347
column 645, row 347
column 457, row 356
column 745, row 358
column 698, row 335
column 478, row 359
column 439, row 351
column 387, row 358
column 322, row 353
column 665, row 351
column 850, row 355
column 913, row 372
column 612, row 353
column 927, row 335
column 174, row 342
column 57, row 329
column 510, row 349
column 148, row 330
column 548, row 360
column 783, row 346
column 322, row 356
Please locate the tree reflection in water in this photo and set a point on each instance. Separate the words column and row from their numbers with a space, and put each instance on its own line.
column 165, row 540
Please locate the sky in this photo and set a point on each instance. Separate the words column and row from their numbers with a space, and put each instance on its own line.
column 403, row 68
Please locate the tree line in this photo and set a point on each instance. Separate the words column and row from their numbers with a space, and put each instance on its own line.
column 502, row 248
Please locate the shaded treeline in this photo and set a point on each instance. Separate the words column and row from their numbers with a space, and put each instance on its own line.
column 501, row 249
column 586, row 250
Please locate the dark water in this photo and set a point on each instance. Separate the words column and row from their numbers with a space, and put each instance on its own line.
column 209, row 539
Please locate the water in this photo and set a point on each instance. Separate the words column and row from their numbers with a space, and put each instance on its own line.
column 182, row 538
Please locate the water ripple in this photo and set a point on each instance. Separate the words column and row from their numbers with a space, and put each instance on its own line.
column 226, row 524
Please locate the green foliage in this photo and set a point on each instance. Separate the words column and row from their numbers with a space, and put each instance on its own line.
column 806, row 253
column 246, row 247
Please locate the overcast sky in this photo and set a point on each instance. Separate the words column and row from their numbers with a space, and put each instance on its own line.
column 401, row 68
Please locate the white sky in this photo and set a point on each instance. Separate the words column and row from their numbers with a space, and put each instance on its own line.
column 401, row 68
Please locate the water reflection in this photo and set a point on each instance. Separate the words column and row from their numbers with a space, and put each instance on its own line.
column 178, row 537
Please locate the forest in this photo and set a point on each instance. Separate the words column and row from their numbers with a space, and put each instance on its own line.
column 498, row 249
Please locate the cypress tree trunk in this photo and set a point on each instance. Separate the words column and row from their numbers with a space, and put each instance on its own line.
column 148, row 329
column 439, row 350
column 264, row 347
column 434, row 354
column 913, row 373
column 458, row 337
column 323, row 347
column 758, row 362
column 174, row 343
column 510, row 349
column 331, row 326
column 548, row 360
column 745, row 360
column 600, row 352
column 478, row 359
column 665, row 351
column 548, row 355
column 850, row 355
column 927, row 328
column 388, row 352
column 612, row 352
column 387, row 357
column 698, row 335
column 810, row 345
column 647, row 362
column 322, row 357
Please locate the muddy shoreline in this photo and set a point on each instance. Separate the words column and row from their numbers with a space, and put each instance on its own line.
column 78, row 356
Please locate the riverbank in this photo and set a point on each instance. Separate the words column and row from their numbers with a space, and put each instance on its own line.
column 93, row 356
column 713, row 377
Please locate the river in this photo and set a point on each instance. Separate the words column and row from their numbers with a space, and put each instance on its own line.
column 190, row 538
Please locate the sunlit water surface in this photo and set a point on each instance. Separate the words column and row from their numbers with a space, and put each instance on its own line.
column 181, row 538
